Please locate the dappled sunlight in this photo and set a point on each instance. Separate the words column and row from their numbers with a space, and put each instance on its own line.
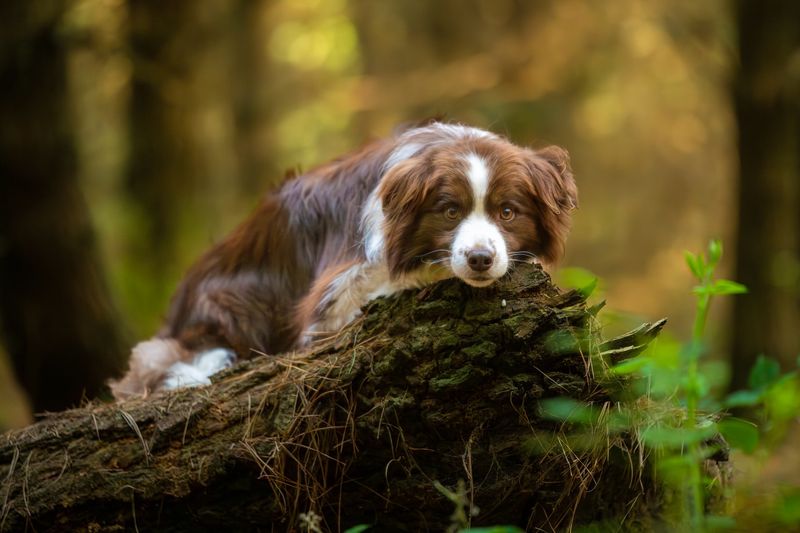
column 182, row 114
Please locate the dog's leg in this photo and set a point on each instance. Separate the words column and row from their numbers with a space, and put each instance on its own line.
column 158, row 364
column 149, row 363
column 200, row 369
column 338, row 295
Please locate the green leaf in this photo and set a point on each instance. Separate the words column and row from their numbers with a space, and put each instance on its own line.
column 743, row 398
column 674, row 437
column 714, row 251
column 695, row 264
column 580, row 279
column 695, row 384
column 702, row 289
column 588, row 289
column 666, row 353
column 674, row 467
column 357, row 529
column 782, row 398
column 726, row 286
column 739, row 433
column 630, row 366
column 567, row 410
column 764, row 372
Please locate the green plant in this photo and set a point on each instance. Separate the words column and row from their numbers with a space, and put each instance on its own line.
column 694, row 388
column 683, row 414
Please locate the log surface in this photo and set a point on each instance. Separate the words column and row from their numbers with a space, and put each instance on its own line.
column 424, row 406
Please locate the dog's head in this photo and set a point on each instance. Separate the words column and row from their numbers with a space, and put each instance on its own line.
column 473, row 202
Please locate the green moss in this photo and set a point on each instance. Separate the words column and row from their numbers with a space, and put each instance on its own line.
column 445, row 339
column 391, row 361
column 434, row 309
column 482, row 309
column 462, row 378
column 525, row 325
column 463, row 329
column 481, row 352
column 421, row 341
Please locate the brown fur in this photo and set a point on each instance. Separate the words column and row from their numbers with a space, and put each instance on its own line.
column 538, row 184
column 261, row 287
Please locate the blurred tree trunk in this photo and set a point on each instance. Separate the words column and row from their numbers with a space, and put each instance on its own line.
column 161, row 179
column 767, row 94
column 181, row 172
column 255, row 91
column 60, row 327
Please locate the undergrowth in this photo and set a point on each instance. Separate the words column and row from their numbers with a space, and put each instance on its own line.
column 670, row 400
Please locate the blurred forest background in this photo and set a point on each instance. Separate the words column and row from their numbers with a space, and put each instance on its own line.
column 134, row 133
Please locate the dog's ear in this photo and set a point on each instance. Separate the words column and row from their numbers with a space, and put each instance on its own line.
column 553, row 188
column 552, row 180
column 403, row 190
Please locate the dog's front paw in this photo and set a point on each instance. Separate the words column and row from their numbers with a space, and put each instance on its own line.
column 203, row 366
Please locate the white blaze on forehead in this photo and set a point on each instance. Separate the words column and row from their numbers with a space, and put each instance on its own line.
column 477, row 231
column 478, row 175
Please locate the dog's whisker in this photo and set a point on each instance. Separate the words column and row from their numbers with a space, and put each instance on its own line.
column 439, row 251
column 523, row 257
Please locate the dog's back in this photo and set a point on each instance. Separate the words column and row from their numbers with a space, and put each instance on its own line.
column 242, row 295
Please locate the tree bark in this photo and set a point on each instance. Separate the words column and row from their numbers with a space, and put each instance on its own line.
column 431, row 388
column 59, row 324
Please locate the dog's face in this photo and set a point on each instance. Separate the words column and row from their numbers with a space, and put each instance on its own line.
column 476, row 206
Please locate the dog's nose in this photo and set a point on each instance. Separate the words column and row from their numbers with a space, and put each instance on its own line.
column 480, row 260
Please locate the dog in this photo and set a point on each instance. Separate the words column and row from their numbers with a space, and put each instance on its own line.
column 432, row 202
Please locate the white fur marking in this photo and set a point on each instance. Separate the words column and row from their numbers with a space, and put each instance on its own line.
column 401, row 153
column 202, row 367
column 372, row 228
column 458, row 131
column 478, row 175
column 476, row 231
column 415, row 140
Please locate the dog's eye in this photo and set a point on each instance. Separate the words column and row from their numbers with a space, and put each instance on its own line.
column 507, row 214
column 452, row 212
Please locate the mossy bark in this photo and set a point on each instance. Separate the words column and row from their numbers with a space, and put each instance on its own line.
column 425, row 405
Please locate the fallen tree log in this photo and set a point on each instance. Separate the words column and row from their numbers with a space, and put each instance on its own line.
column 422, row 415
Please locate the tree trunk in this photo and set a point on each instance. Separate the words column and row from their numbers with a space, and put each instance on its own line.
column 60, row 327
column 254, row 98
column 768, row 254
column 180, row 173
column 426, row 404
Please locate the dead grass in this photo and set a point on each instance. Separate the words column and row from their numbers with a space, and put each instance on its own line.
column 305, row 460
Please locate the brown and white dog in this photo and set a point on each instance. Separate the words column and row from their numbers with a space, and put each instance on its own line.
column 433, row 202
